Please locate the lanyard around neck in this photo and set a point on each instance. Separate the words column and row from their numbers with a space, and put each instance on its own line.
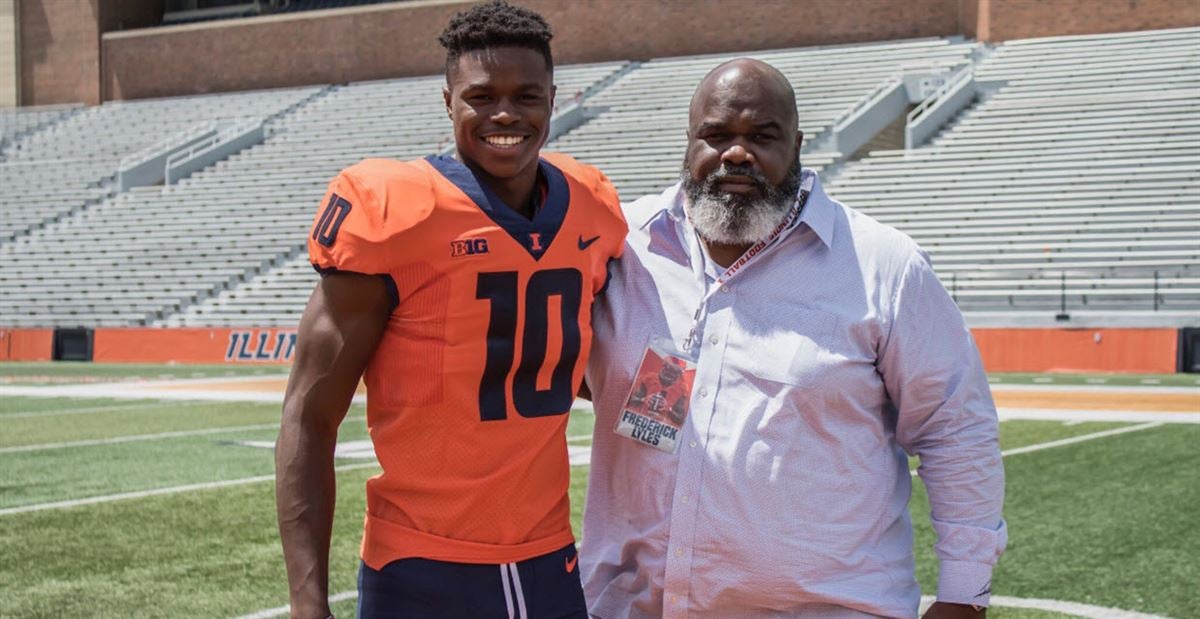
column 754, row 253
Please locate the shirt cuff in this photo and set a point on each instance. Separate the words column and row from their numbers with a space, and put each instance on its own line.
column 965, row 582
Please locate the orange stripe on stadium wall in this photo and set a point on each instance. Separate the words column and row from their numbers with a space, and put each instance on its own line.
column 26, row 344
column 217, row 345
column 1078, row 350
column 1003, row 350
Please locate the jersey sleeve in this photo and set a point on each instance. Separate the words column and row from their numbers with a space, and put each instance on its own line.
column 361, row 222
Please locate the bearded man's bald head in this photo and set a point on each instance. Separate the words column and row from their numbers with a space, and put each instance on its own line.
column 745, row 81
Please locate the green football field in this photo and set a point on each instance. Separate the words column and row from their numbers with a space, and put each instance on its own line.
column 150, row 508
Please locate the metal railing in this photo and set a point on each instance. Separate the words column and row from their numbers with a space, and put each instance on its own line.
column 963, row 74
column 156, row 149
column 1066, row 290
column 862, row 102
column 223, row 134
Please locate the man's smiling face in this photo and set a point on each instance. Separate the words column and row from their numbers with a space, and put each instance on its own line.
column 500, row 100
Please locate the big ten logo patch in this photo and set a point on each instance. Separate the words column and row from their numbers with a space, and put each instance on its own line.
column 468, row 247
column 262, row 345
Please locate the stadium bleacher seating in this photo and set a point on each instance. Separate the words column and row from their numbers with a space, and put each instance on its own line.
column 1080, row 175
column 1084, row 166
column 639, row 140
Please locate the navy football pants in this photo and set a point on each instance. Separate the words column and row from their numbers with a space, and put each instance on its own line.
column 537, row 588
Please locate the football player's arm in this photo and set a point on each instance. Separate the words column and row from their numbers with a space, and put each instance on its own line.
column 341, row 326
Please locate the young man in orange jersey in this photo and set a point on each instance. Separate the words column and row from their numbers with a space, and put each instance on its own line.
column 463, row 288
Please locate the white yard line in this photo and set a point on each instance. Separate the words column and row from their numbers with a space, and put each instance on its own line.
column 1080, row 439
column 1074, row 609
column 1071, row 441
column 136, row 392
column 116, row 440
column 280, row 611
column 1043, row 387
column 81, row 411
column 108, row 498
column 1062, row 414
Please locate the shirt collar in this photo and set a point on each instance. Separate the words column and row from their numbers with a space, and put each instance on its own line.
column 818, row 212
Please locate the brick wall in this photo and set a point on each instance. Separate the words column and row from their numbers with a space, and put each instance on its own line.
column 60, row 51
column 376, row 42
column 63, row 57
column 1022, row 19
column 9, row 69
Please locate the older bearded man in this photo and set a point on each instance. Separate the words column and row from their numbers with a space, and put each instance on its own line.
column 820, row 350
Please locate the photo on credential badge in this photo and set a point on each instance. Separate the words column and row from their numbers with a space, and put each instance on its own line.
column 658, row 401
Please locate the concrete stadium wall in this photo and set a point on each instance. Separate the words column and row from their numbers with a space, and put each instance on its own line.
column 1003, row 350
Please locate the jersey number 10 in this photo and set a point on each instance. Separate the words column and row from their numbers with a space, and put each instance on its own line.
column 501, row 290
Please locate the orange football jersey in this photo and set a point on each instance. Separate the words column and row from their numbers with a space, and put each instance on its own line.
column 469, row 389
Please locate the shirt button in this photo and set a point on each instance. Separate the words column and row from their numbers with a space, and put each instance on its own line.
column 724, row 288
column 674, row 599
column 692, row 444
column 679, row 552
column 712, row 340
column 703, row 393
column 684, row 498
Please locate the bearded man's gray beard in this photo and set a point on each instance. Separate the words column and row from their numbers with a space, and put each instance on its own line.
column 733, row 219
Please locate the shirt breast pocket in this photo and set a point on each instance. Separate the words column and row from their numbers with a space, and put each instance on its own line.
column 785, row 346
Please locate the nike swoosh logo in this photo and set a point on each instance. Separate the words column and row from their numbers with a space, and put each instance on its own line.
column 585, row 244
column 575, row 559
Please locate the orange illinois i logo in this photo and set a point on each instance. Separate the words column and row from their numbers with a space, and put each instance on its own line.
column 535, row 241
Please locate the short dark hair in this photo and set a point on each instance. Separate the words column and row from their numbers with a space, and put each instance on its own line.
column 496, row 24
